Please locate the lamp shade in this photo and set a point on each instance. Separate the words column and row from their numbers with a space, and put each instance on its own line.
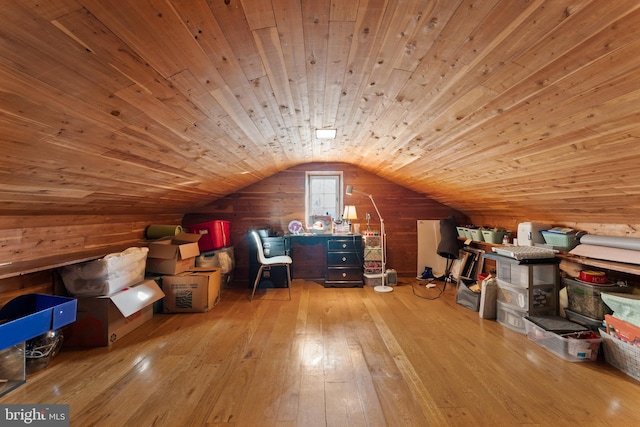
column 350, row 212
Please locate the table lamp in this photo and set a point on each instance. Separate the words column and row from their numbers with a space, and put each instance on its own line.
column 349, row 214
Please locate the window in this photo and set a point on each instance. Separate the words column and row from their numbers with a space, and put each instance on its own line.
column 323, row 194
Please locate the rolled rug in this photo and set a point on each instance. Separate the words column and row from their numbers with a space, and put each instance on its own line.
column 157, row 231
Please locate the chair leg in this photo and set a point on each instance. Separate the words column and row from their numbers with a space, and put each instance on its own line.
column 255, row 284
column 289, row 281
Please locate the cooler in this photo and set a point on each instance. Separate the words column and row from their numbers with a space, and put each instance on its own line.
column 215, row 234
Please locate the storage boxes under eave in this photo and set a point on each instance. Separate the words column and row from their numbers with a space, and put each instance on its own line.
column 525, row 290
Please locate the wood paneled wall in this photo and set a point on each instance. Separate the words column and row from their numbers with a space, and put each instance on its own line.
column 32, row 247
column 279, row 199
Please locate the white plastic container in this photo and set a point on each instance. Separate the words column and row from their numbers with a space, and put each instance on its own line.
column 529, row 233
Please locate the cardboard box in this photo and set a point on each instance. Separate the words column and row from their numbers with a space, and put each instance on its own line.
column 173, row 255
column 103, row 320
column 191, row 292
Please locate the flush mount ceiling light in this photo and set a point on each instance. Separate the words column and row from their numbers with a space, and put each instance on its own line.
column 325, row 133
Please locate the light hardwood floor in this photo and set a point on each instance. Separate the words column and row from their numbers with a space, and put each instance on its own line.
column 330, row 357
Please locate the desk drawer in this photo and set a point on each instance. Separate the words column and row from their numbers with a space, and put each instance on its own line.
column 339, row 259
column 344, row 274
column 348, row 244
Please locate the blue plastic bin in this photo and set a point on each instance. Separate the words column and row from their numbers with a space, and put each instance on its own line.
column 31, row 315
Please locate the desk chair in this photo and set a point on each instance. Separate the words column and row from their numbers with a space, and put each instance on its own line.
column 269, row 262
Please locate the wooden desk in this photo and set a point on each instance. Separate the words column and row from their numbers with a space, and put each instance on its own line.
column 334, row 259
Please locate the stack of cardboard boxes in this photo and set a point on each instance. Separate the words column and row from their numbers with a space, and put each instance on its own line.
column 172, row 284
column 187, row 288
column 113, row 297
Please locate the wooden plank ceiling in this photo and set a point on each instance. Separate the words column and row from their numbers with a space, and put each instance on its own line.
column 146, row 106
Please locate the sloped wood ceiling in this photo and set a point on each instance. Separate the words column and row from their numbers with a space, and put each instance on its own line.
column 529, row 107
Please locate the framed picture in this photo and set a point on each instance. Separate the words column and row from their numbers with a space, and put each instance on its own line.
column 458, row 265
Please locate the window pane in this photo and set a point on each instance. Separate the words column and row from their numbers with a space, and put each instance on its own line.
column 323, row 193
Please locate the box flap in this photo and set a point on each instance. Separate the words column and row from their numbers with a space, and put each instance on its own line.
column 133, row 299
column 168, row 248
column 189, row 250
column 162, row 249
column 185, row 238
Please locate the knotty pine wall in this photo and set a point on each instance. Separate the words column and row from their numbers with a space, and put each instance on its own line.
column 279, row 199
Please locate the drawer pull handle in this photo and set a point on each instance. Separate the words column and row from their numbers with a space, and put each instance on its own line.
column 344, row 245
column 344, row 275
column 344, row 259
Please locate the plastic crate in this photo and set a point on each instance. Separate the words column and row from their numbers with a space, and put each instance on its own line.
column 494, row 236
column 510, row 317
column 518, row 296
column 585, row 298
column 513, row 272
column 567, row 241
column 214, row 234
column 476, row 234
column 564, row 345
column 593, row 324
column 621, row 355
column 21, row 319
column 12, row 368
column 30, row 315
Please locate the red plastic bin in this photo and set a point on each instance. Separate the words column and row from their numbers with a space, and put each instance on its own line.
column 215, row 234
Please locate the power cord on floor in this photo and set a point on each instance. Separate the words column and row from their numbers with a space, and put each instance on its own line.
column 430, row 285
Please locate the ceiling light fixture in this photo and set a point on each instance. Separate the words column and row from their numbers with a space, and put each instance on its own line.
column 325, row 133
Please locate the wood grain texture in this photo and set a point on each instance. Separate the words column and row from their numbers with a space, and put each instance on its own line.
column 503, row 110
column 330, row 357
column 279, row 199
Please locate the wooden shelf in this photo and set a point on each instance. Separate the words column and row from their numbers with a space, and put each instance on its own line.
column 20, row 268
column 607, row 265
column 621, row 267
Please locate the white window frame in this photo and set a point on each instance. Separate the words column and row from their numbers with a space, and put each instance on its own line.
column 309, row 197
